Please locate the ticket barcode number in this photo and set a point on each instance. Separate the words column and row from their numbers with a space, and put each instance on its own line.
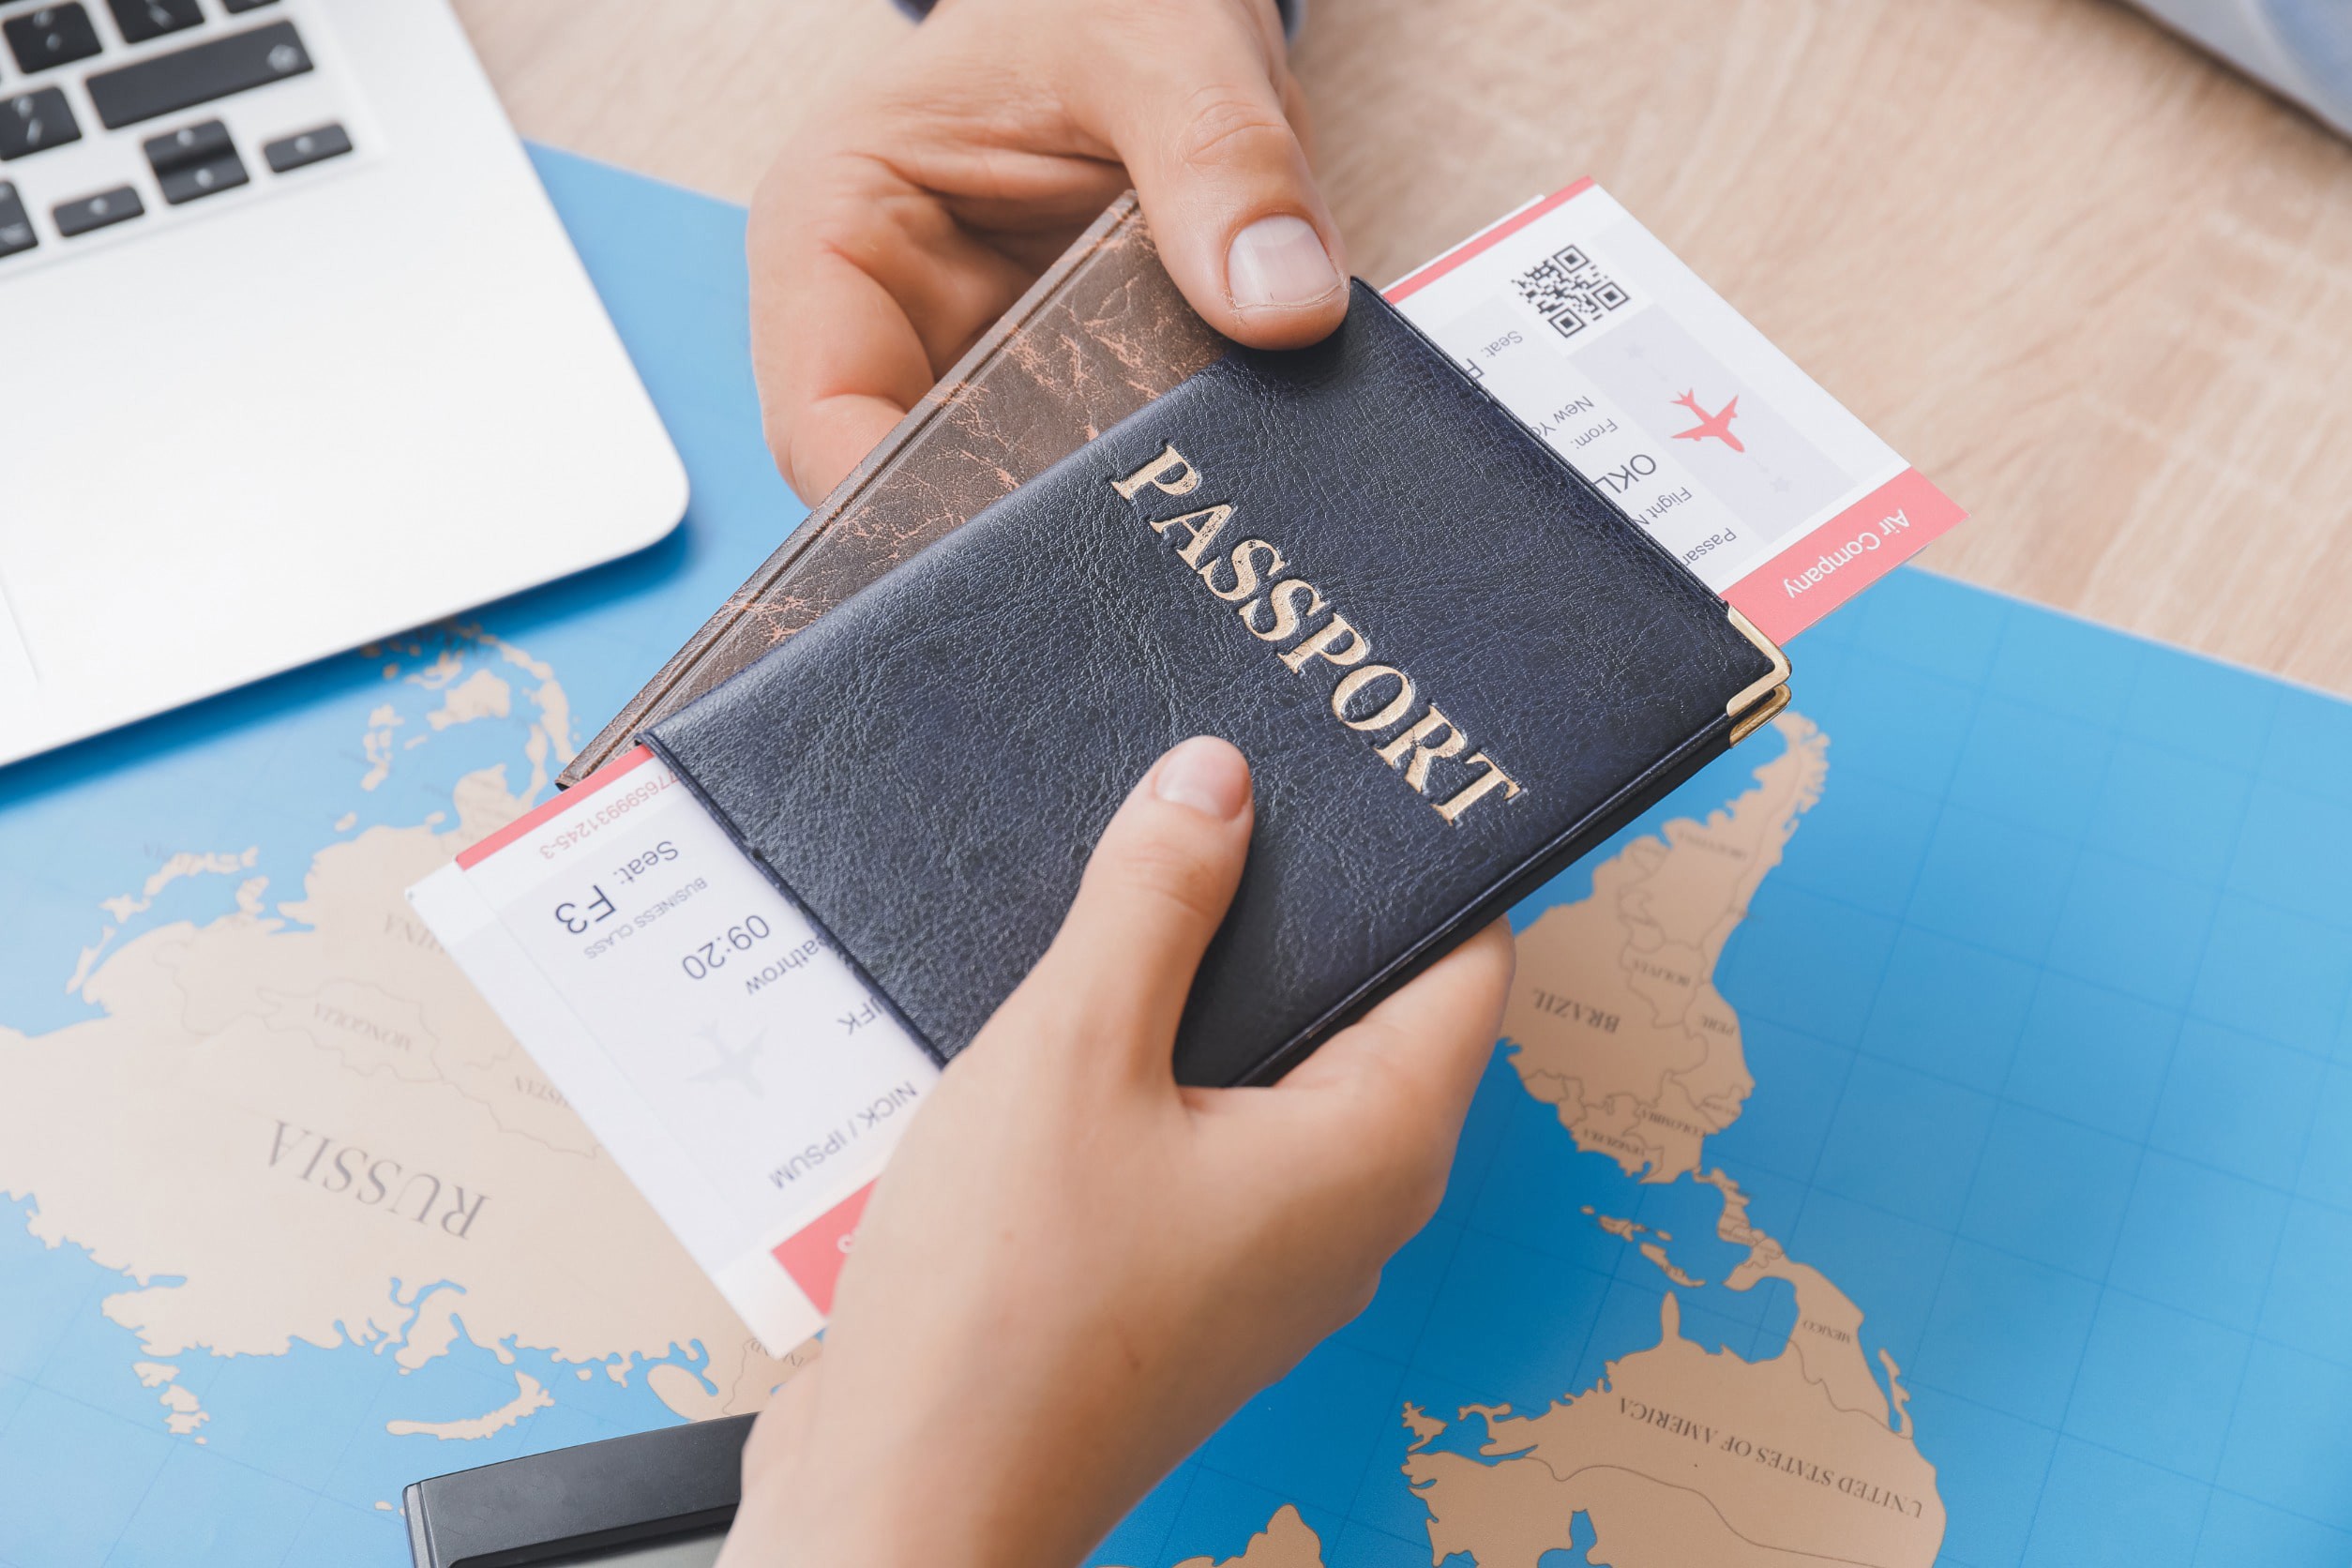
column 1570, row 291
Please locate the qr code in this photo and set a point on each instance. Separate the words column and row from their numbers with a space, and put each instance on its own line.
column 1570, row 291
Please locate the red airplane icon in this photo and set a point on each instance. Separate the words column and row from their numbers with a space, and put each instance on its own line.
column 1716, row 424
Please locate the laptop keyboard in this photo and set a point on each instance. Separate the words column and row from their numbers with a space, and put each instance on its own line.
column 92, row 69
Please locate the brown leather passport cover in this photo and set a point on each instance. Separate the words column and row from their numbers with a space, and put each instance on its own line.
column 1103, row 333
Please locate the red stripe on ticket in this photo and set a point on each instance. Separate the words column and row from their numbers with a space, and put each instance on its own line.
column 814, row 1256
column 473, row 856
column 1486, row 239
column 1843, row 556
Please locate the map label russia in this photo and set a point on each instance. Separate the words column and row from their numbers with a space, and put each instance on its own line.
column 323, row 1072
column 372, row 1180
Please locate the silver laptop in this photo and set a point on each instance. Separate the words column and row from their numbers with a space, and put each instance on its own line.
column 294, row 353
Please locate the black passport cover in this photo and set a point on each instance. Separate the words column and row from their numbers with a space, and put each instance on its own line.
column 926, row 768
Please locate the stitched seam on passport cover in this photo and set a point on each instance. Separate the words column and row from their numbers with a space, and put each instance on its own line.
column 751, row 853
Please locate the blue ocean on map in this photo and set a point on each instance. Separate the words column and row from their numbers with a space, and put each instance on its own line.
column 2047, row 1006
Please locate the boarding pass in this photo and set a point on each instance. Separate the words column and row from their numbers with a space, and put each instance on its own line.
column 735, row 1064
column 1580, row 322
column 717, row 1044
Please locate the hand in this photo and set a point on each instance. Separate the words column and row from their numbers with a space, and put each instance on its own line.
column 1074, row 1270
column 904, row 221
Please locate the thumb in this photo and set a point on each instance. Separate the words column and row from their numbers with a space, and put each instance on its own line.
column 1207, row 132
column 1158, row 883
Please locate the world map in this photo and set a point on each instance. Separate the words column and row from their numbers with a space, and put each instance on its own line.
column 1925, row 1139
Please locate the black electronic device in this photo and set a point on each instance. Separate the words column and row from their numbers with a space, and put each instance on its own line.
column 655, row 1499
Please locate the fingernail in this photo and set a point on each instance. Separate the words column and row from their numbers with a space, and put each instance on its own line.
column 1279, row 263
column 1207, row 774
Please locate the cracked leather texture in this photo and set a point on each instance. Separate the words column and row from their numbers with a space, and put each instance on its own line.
column 1100, row 333
column 926, row 768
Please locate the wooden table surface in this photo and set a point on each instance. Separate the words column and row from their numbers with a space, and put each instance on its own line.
column 2097, row 287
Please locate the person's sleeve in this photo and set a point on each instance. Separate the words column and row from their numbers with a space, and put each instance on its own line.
column 1294, row 12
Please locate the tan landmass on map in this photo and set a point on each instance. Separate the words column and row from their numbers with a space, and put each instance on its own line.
column 530, row 1395
column 1683, row 1456
column 480, row 695
column 1287, row 1542
column 182, row 864
column 1632, row 1232
column 1657, row 1255
column 1420, row 1424
column 122, row 907
column 313, row 1123
column 1827, row 1341
column 1680, row 1456
column 184, row 1411
column 376, row 742
column 1614, row 1010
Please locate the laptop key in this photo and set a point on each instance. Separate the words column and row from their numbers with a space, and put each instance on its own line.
column 194, row 161
column 141, row 20
column 232, row 7
column 225, row 172
column 34, row 122
column 96, row 212
column 190, row 145
column 309, row 146
column 167, row 83
column 16, row 229
column 52, row 36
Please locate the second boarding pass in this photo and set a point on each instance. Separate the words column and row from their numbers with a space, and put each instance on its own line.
column 737, row 1066
column 717, row 1044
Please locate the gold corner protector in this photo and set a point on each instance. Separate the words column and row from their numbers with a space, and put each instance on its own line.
column 1760, row 716
column 1771, row 678
column 1764, row 697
